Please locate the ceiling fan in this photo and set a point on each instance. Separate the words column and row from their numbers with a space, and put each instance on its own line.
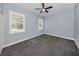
column 43, row 9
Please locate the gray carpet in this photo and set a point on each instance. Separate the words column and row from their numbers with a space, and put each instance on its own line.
column 43, row 45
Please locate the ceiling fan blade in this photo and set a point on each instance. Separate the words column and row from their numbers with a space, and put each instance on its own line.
column 38, row 8
column 49, row 7
column 42, row 5
column 46, row 11
column 40, row 11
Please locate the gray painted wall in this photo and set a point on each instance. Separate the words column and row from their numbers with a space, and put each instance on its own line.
column 61, row 24
column 1, row 30
column 31, row 24
column 76, row 24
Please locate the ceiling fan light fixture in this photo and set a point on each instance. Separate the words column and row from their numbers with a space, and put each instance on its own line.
column 43, row 10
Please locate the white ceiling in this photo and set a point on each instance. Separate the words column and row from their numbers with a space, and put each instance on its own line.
column 57, row 7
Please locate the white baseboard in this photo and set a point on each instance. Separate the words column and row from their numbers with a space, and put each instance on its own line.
column 76, row 43
column 20, row 41
column 0, row 50
column 33, row 37
column 59, row 36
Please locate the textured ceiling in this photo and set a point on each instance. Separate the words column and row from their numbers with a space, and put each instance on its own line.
column 57, row 7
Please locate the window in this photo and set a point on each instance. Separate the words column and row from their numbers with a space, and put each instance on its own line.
column 17, row 22
column 40, row 24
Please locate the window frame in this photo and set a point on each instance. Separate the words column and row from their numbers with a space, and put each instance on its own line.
column 40, row 22
column 10, row 22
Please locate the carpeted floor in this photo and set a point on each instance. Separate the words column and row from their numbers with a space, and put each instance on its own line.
column 43, row 45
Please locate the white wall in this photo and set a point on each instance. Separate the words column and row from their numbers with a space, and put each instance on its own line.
column 61, row 24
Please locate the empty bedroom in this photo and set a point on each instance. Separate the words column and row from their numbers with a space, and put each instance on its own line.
column 39, row 29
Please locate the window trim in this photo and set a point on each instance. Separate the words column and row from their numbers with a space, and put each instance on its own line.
column 40, row 22
column 10, row 22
